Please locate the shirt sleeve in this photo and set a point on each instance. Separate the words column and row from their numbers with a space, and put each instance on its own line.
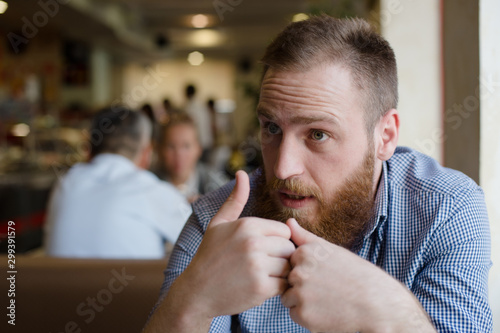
column 453, row 284
column 184, row 251
column 52, row 209
column 179, row 212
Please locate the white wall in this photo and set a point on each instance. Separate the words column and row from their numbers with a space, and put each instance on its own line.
column 167, row 79
column 489, row 11
column 412, row 28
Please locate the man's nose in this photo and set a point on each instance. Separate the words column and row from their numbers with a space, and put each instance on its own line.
column 289, row 160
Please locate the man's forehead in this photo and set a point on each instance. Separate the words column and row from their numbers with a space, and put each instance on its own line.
column 323, row 80
column 182, row 129
column 302, row 117
column 321, row 93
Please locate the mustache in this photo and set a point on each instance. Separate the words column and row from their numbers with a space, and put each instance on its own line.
column 295, row 186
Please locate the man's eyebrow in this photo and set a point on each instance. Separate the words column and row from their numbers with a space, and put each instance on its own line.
column 305, row 120
column 261, row 112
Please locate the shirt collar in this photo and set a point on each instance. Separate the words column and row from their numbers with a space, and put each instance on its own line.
column 105, row 158
column 381, row 204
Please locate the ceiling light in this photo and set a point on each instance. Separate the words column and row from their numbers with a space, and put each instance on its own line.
column 199, row 21
column 196, row 58
column 300, row 17
column 3, row 7
column 20, row 130
column 205, row 38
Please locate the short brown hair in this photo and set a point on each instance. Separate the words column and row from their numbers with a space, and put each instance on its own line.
column 350, row 42
column 175, row 120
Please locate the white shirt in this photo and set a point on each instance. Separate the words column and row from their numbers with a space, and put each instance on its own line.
column 109, row 208
column 201, row 116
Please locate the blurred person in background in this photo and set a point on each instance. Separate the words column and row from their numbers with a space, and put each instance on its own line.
column 180, row 154
column 213, row 120
column 147, row 109
column 167, row 110
column 200, row 114
column 111, row 207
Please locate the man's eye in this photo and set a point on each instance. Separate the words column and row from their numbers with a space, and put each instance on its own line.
column 319, row 135
column 273, row 129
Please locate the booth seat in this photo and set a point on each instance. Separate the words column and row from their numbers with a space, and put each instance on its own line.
column 55, row 295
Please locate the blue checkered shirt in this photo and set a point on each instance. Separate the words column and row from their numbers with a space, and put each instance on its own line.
column 430, row 232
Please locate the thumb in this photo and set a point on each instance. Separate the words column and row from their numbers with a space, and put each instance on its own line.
column 232, row 208
column 300, row 236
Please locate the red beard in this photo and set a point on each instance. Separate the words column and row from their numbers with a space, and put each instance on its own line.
column 343, row 220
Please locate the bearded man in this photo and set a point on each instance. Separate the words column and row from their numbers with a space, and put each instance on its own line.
column 340, row 230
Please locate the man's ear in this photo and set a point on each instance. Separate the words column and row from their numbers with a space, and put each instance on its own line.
column 386, row 135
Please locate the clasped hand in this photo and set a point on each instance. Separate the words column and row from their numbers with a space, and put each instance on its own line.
column 241, row 262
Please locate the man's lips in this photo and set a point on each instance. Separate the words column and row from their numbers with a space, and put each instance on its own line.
column 293, row 200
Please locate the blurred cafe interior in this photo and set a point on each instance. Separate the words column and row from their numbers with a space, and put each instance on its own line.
column 63, row 60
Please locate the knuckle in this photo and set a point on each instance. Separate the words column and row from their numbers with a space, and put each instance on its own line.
column 294, row 278
column 302, row 273
column 290, row 246
column 286, row 269
column 254, row 264
column 251, row 244
column 283, row 228
column 299, row 255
